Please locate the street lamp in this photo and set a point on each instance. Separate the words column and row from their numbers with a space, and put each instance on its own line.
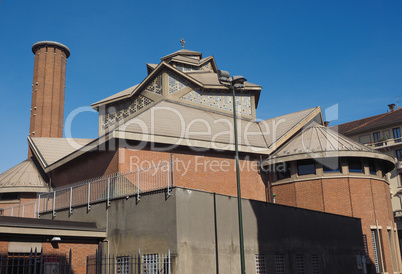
column 233, row 83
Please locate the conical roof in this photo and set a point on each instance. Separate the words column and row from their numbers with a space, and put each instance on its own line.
column 317, row 141
column 24, row 177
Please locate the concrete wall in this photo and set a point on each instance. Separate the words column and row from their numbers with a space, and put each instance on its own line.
column 208, row 238
column 201, row 230
column 148, row 224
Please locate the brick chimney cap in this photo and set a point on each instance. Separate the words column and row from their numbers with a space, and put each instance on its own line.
column 42, row 44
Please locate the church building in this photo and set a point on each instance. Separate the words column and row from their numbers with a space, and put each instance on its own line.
column 162, row 176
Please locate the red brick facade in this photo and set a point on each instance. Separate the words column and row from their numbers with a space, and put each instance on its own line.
column 87, row 166
column 364, row 198
column 79, row 252
column 47, row 110
column 25, row 206
column 208, row 171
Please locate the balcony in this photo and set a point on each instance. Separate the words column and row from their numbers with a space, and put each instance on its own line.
column 398, row 213
column 398, row 166
column 385, row 143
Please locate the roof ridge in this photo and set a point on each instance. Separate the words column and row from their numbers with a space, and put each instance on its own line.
column 370, row 121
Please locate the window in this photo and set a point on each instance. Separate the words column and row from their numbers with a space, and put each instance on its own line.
column 9, row 196
column 364, row 139
column 150, row 265
column 123, row 265
column 376, row 136
column 280, row 264
column 372, row 167
column 355, row 165
column 282, row 171
column 300, row 264
column 398, row 153
column 397, row 134
column 315, row 264
column 306, row 167
column 331, row 165
column 260, row 265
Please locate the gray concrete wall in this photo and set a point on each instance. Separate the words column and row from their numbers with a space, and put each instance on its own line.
column 201, row 230
column 208, row 238
column 148, row 224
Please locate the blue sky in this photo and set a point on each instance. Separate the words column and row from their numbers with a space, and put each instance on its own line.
column 303, row 53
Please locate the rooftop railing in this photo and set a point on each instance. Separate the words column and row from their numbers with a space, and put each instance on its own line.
column 25, row 210
column 385, row 143
column 88, row 192
column 106, row 188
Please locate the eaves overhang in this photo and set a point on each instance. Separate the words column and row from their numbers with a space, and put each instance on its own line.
column 175, row 141
column 388, row 161
column 44, row 227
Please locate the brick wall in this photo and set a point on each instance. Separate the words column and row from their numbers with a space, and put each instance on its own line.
column 364, row 198
column 25, row 206
column 79, row 251
column 47, row 111
column 208, row 171
column 87, row 166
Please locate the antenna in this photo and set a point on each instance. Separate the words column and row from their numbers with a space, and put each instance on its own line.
column 397, row 102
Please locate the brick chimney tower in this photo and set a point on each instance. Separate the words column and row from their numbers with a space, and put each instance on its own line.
column 47, row 110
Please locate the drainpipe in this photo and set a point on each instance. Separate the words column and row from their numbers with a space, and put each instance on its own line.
column 107, row 252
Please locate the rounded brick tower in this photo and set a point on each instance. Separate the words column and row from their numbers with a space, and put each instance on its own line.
column 47, row 111
column 322, row 170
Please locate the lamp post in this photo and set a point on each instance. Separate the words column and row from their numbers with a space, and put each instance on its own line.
column 233, row 83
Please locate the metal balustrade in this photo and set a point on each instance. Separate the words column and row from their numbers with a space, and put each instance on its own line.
column 106, row 188
column 385, row 143
column 25, row 210
column 95, row 190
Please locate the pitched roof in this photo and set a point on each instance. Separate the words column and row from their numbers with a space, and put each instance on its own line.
column 24, row 177
column 275, row 128
column 211, row 79
column 175, row 123
column 205, row 79
column 370, row 123
column 192, row 61
column 122, row 94
column 317, row 141
column 51, row 150
column 183, row 124
column 182, row 52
